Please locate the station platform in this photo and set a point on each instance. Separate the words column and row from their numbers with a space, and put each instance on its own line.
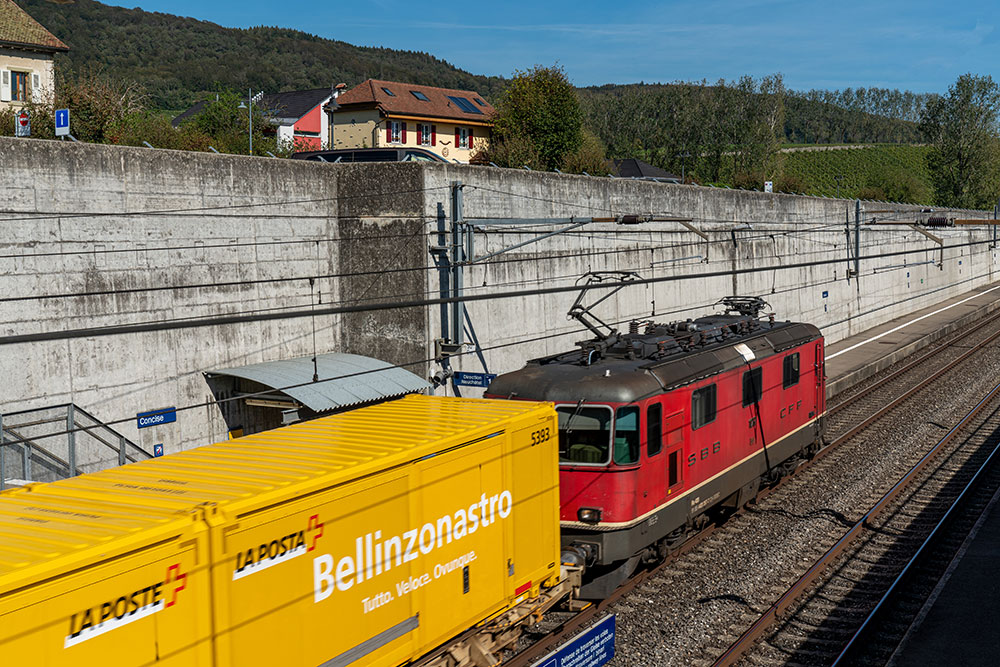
column 858, row 357
column 957, row 625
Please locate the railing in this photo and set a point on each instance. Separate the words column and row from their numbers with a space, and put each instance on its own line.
column 46, row 444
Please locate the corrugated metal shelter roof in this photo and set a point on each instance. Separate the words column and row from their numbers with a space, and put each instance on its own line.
column 352, row 379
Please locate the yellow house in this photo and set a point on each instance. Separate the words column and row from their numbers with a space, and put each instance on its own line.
column 452, row 123
column 27, row 51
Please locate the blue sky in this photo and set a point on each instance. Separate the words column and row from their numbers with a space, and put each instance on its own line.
column 921, row 45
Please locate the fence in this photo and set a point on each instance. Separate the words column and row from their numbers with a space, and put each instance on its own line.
column 46, row 444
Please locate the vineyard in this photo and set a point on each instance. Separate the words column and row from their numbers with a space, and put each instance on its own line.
column 890, row 172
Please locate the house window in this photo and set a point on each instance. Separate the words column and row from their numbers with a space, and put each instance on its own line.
column 395, row 132
column 388, row 92
column 19, row 86
column 427, row 135
column 419, row 95
column 463, row 137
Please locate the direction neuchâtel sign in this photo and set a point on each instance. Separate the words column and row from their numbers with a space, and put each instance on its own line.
column 62, row 122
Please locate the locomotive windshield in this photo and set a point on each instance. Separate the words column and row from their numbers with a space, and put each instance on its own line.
column 585, row 434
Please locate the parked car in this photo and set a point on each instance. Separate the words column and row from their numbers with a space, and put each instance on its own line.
column 370, row 155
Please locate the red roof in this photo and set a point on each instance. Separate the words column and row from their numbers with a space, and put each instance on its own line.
column 19, row 29
column 393, row 97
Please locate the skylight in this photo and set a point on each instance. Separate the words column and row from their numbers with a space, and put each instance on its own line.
column 419, row 95
column 464, row 104
column 388, row 92
column 479, row 101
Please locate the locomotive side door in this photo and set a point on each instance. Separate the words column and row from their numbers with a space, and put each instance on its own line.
column 820, row 384
column 673, row 426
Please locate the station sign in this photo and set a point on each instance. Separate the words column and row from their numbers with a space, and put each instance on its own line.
column 158, row 449
column 156, row 417
column 473, row 379
column 591, row 648
column 62, row 122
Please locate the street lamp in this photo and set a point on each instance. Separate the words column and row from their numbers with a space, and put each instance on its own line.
column 250, row 114
column 683, row 156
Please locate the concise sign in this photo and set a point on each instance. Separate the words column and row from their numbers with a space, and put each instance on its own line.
column 22, row 125
column 62, row 122
column 156, row 417
column 474, row 379
column 591, row 648
column 158, row 450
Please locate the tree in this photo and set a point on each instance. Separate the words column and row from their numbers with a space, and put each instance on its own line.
column 962, row 127
column 539, row 105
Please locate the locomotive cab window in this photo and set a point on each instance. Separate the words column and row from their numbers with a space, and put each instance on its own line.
column 627, row 436
column 703, row 406
column 753, row 381
column 584, row 434
column 654, row 429
column 791, row 371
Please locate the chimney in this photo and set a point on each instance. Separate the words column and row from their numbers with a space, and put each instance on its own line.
column 338, row 89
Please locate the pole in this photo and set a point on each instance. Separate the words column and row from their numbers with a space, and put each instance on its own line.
column 857, row 239
column 71, row 439
column 457, row 259
column 250, row 111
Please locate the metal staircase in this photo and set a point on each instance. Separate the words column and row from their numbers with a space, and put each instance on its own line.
column 46, row 444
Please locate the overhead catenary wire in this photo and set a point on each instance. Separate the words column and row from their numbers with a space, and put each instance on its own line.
column 218, row 320
column 509, row 260
column 274, row 391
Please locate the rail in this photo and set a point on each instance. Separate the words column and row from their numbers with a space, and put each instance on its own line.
column 750, row 637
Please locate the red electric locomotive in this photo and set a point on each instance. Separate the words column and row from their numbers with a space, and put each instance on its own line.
column 663, row 426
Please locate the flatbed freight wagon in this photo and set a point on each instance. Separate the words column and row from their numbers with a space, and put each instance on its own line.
column 367, row 538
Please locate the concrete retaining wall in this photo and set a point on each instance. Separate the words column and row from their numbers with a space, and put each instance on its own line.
column 104, row 220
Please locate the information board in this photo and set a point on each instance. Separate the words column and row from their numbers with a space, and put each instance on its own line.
column 591, row 648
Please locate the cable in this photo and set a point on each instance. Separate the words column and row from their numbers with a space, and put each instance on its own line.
column 338, row 310
column 226, row 207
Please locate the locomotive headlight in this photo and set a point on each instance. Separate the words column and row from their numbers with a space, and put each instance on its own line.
column 589, row 514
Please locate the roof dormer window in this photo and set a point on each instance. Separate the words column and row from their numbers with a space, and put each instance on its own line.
column 419, row 95
column 388, row 92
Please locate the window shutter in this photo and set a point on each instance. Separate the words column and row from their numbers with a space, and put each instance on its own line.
column 402, row 135
column 388, row 131
column 36, row 89
column 420, row 134
column 5, row 86
column 470, row 138
column 434, row 135
column 458, row 136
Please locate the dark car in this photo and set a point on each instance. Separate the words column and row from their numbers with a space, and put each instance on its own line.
column 370, row 155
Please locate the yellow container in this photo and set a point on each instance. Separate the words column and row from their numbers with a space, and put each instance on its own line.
column 364, row 538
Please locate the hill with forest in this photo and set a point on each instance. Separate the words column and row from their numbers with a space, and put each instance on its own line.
column 179, row 60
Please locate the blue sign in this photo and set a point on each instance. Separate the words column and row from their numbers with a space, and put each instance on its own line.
column 591, row 648
column 161, row 416
column 474, row 379
column 825, row 294
column 62, row 122
column 158, row 450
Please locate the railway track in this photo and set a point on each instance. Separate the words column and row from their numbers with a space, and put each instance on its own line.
column 847, row 420
column 822, row 617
